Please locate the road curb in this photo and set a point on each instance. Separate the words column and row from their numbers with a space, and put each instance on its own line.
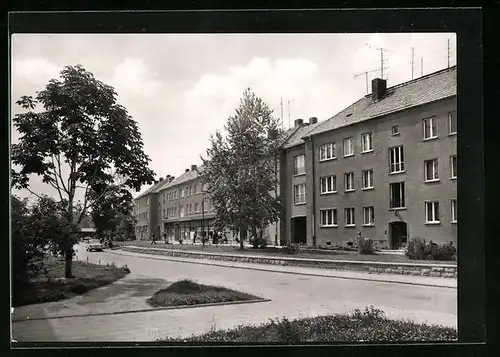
column 164, row 257
column 178, row 307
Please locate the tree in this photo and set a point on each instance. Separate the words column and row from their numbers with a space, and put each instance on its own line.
column 241, row 169
column 112, row 214
column 80, row 139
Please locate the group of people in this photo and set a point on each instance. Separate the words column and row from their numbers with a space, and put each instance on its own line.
column 216, row 238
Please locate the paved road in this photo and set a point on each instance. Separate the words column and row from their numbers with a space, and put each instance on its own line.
column 291, row 295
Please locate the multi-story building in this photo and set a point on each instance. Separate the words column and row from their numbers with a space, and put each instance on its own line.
column 145, row 211
column 385, row 167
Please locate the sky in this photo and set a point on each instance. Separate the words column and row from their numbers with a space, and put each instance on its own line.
column 181, row 88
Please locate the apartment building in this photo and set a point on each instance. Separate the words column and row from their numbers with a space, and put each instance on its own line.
column 385, row 167
column 145, row 211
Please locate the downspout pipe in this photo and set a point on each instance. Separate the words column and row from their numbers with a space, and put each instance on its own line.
column 313, row 151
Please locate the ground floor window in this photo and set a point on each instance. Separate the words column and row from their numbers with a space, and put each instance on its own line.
column 349, row 217
column 454, row 210
column 368, row 216
column 328, row 217
column 432, row 212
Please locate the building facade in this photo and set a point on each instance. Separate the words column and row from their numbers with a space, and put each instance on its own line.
column 385, row 167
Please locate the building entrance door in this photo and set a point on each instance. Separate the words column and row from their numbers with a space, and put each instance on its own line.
column 399, row 234
column 299, row 234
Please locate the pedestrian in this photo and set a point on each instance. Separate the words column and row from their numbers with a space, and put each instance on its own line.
column 165, row 237
column 153, row 239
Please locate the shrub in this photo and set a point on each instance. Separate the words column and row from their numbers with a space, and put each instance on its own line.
column 365, row 245
column 291, row 248
column 419, row 249
column 258, row 242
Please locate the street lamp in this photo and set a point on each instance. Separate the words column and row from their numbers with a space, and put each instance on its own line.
column 202, row 217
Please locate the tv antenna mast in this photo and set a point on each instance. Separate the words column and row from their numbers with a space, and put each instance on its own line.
column 289, row 124
column 448, row 53
column 412, row 60
column 281, row 106
column 382, row 61
column 365, row 73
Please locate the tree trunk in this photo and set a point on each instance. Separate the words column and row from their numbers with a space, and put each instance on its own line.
column 68, row 273
column 243, row 235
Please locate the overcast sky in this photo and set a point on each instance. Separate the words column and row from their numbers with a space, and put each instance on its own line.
column 182, row 88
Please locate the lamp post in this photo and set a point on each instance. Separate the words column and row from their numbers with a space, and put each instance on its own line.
column 202, row 217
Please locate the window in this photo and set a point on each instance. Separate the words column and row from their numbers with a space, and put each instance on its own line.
column 395, row 130
column 196, row 209
column 175, row 211
column 431, row 170
column 452, row 123
column 367, row 179
column 205, row 205
column 453, row 162
column 195, row 189
column 182, row 192
column 396, row 159
column 366, row 142
column 299, row 193
column 328, row 184
column 327, row 152
column 182, row 211
column 368, row 216
column 349, row 217
column 164, row 214
column 349, row 181
column 348, row 147
column 432, row 212
column 190, row 190
column 190, row 208
column 163, row 197
column 175, row 195
column 328, row 217
column 454, row 210
column 430, row 130
column 299, row 165
column 397, row 192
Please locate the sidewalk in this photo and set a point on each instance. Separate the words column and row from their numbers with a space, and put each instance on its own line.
column 329, row 273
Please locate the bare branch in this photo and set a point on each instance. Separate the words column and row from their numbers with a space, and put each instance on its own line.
column 37, row 195
column 58, row 188
column 58, row 158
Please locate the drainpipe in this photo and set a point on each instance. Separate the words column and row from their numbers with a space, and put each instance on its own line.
column 314, row 194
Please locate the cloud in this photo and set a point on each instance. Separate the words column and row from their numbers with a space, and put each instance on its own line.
column 133, row 77
column 34, row 70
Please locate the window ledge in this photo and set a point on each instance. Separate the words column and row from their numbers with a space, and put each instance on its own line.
column 397, row 209
column 453, row 222
column 395, row 134
column 367, row 151
column 397, row 172
column 333, row 226
column 432, row 223
column 369, row 225
column 302, row 174
column 431, row 138
column 350, row 155
column 329, row 159
column 352, row 190
column 299, row 204
column 452, row 134
column 453, row 178
column 367, row 188
column 432, row 181
column 350, row 226
column 328, row 193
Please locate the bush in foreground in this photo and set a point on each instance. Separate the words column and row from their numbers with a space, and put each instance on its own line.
column 365, row 245
column 370, row 325
column 54, row 286
column 187, row 292
column 419, row 249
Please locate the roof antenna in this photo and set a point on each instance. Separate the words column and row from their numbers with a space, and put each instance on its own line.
column 421, row 66
column 382, row 61
column 281, row 105
column 448, row 53
column 289, row 123
column 365, row 73
column 412, row 60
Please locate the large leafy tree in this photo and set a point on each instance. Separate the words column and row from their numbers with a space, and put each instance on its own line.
column 75, row 136
column 240, row 169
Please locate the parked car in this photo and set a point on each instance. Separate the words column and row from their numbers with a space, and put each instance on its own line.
column 95, row 245
column 86, row 239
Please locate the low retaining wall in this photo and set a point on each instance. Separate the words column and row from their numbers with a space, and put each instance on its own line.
column 434, row 270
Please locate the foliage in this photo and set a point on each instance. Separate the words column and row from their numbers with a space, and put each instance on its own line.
column 258, row 241
column 240, row 170
column 370, row 325
column 365, row 245
column 75, row 136
column 87, row 277
column 419, row 249
column 291, row 248
column 27, row 249
column 188, row 292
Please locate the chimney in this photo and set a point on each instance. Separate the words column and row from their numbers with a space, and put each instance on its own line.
column 379, row 87
column 172, row 178
column 161, row 179
column 313, row 120
column 186, row 170
column 298, row 122
column 167, row 177
column 193, row 167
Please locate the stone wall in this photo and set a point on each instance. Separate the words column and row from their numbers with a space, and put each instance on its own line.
column 434, row 270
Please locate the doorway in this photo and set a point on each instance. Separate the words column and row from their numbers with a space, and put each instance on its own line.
column 299, row 234
column 399, row 235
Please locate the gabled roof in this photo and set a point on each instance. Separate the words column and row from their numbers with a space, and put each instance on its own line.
column 423, row 90
column 296, row 138
column 152, row 189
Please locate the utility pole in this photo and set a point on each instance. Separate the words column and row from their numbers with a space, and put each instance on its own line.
column 448, row 53
column 281, row 105
column 412, row 60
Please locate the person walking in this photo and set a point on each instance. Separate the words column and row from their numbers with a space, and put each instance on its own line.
column 153, row 239
column 165, row 237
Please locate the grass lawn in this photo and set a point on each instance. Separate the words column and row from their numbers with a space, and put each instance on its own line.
column 54, row 287
column 368, row 326
column 273, row 251
column 187, row 292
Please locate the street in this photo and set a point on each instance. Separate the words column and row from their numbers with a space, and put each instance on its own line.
column 291, row 296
